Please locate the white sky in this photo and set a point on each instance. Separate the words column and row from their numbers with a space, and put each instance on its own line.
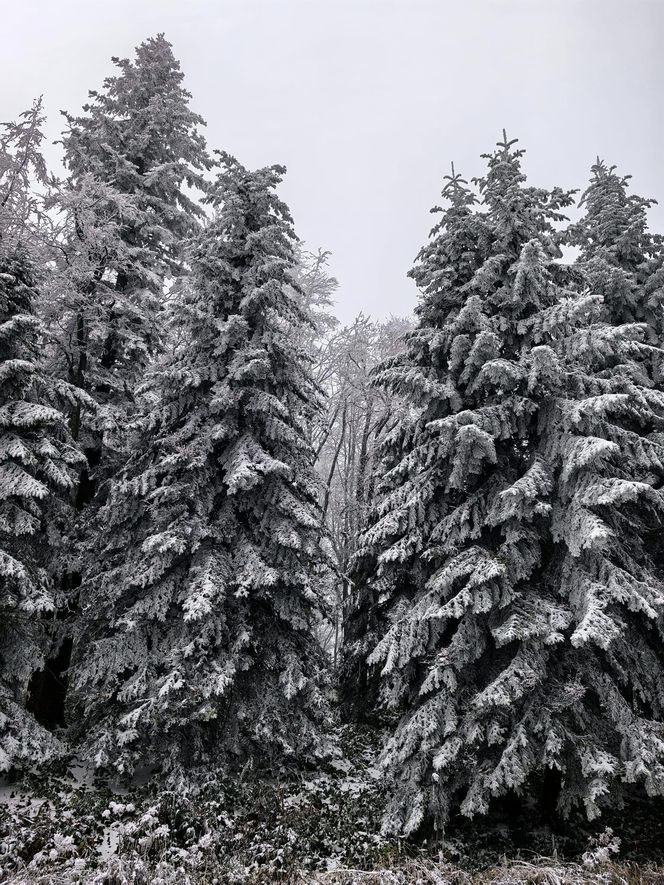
column 367, row 101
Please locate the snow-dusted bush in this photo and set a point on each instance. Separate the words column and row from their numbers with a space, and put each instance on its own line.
column 249, row 830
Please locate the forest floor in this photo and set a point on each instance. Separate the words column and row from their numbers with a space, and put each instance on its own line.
column 321, row 827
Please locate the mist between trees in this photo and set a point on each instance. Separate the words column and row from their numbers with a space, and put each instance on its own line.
column 229, row 524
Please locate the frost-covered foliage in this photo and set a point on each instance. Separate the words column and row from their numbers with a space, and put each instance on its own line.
column 619, row 256
column 489, row 519
column 316, row 288
column 112, row 238
column 323, row 827
column 196, row 639
column 511, row 547
column 624, row 262
column 123, row 213
column 140, row 135
column 22, row 167
column 360, row 414
column 230, row 830
column 37, row 458
column 81, row 303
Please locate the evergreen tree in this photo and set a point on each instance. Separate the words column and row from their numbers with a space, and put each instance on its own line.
column 140, row 135
column 525, row 615
column 134, row 159
column 619, row 256
column 82, row 306
column 196, row 637
column 127, row 206
column 624, row 262
column 37, row 458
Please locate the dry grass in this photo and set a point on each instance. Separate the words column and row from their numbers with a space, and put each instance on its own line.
column 543, row 871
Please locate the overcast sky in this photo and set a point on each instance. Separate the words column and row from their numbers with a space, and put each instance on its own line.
column 367, row 101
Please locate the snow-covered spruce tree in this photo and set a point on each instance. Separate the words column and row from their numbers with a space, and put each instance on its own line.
column 81, row 306
column 623, row 261
column 37, row 458
column 620, row 258
column 133, row 158
column 120, row 218
column 525, row 614
column 196, row 636
column 140, row 135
